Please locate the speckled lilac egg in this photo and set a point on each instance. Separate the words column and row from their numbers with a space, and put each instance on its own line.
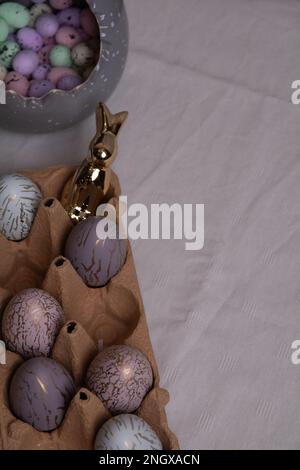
column 14, row 81
column 25, row 62
column 47, row 25
column 39, row 88
column 41, row 72
column 120, row 376
column 127, row 432
column 69, row 82
column 69, row 17
column 31, row 323
column 57, row 73
column 40, row 393
column 29, row 38
column 89, row 23
column 96, row 260
column 68, row 36
column 61, row 4
column 19, row 200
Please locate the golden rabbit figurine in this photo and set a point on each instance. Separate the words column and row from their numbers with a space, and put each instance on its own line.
column 91, row 182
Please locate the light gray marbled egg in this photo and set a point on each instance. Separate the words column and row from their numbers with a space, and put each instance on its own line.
column 19, row 200
column 127, row 432
column 60, row 109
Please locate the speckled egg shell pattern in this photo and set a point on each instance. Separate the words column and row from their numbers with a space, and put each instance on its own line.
column 127, row 432
column 31, row 323
column 95, row 260
column 120, row 376
column 19, row 200
column 40, row 392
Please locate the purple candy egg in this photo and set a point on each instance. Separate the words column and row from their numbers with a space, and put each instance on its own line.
column 69, row 17
column 47, row 25
column 41, row 72
column 31, row 323
column 25, row 62
column 120, row 376
column 40, row 393
column 29, row 38
column 39, row 88
column 69, row 82
column 95, row 259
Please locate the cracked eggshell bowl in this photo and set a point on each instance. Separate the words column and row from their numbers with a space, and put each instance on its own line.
column 60, row 109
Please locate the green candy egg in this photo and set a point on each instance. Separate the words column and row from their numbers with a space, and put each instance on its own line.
column 60, row 56
column 14, row 14
column 8, row 50
column 4, row 30
column 3, row 72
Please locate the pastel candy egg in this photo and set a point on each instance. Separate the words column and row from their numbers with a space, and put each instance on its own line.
column 4, row 30
column 98, row 259
column 31, row 323
column 14, row 14
column 68, row 36
column 89, row 23
column 82, row 55
column 19, row 200
column 41, row 72
column 60, row 56
column 16, row 82
column 38, row 10
column 47, row 25
column 40, row 393
column 57, row 73
column 8, row 50
column 29, row 38
column 69, row 17
column 44, row 54
column 3, row 72
column 120, row 376
column 61, row 4
column 127, row 432
column 39, row 88
column 69, row 82
column 26, row 62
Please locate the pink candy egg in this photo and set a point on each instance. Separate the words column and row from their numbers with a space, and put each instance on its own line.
column 61, row 4
column 59, row 72
column 25, row 62
column 69, row 17
column 44, row 54
column 68, row 36
column 16, row 82
column 89, row 23
column 39, row 88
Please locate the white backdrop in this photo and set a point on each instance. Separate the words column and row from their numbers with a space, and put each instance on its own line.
column 208, row 90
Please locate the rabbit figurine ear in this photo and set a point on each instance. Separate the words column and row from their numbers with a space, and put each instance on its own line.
column 108, row 122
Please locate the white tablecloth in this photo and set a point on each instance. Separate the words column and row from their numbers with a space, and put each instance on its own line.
column 211, row 121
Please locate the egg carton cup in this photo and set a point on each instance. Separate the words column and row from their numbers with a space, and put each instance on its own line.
column 95, row 318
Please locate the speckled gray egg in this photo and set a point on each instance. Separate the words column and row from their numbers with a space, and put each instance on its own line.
column 19, row 200
column 59, row 110
column 120, row 376
column 31, row 323
column 40, row 392
column 127, row 432
column 96, row 260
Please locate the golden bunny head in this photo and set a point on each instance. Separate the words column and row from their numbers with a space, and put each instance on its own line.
column 91, row 181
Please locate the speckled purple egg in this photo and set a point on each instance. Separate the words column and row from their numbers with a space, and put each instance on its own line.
column 40, row 392
column 26, row 62
column 47, row 25
column 69, row 82
column 120, row 376
column 31, row 323
column 39, row 88
column 14, row 81
column 29, row 38
column 69, row 17
column 95, row 259
column 61, row 4
column 41, row 72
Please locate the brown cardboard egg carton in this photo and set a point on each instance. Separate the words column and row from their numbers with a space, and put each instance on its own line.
column 113, row 315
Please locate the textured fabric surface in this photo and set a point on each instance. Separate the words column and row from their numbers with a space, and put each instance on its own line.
column 211, row 121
